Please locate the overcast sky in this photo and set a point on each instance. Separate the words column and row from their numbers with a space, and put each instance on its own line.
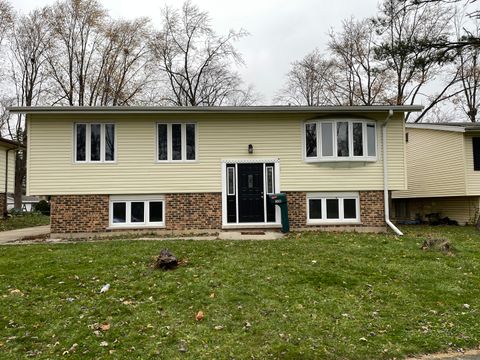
column 281, row 31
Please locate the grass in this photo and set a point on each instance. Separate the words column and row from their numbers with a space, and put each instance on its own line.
column 306, row 297
column 23, row 221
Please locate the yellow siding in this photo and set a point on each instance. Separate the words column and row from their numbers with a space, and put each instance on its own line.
column 51, row 170
column 435, row 165
column 473, row 177
column 462, row 209
column 11, row 169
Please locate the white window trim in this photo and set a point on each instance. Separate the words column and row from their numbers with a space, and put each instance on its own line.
column 128, row 199
column 340, row 196
column 335, row 158
column 88, row 141
column 170, row 143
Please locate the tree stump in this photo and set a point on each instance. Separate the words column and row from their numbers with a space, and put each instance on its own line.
column 166, row 260
column 442, row 245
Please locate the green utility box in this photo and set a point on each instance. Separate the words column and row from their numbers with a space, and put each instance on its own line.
column 280, row 199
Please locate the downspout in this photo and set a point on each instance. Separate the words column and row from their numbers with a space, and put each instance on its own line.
column 385, row 175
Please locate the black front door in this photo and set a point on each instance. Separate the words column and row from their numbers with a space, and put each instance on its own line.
column 250, row 193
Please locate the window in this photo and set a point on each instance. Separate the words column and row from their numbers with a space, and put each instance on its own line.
column 311, row 139
column 230, row 181
column 137, row 211
column 270, row 180
column 331, row 208
column 176, row 142
column 94, row 142
column 340, row 140
column 476, row 153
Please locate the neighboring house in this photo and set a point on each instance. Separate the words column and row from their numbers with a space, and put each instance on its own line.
column 7, row 171
column 443, row 166
column 28, row 202
column 210, row 168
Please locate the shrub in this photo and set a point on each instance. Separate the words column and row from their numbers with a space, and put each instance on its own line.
column 42, row 207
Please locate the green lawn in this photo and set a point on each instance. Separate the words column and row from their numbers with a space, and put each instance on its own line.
column 307, row 297
column 23, row 221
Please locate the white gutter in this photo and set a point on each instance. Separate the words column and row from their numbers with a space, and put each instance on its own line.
column 385, row 175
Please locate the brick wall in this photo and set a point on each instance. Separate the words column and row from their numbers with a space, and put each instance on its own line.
column 371, row 210
column 79, row 213
column 193, row 211
column 197, row 211
column 89, row 213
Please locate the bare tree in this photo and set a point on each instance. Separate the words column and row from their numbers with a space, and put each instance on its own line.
column 195, row 60
column 408, row 35
column 363, row 80
column 122, row 65
column 6, row 18
column 28, row 45
column 309, row 82
column 469, row 67
column 75, row 34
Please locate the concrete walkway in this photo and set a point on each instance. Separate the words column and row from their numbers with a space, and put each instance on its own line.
column 19, row 234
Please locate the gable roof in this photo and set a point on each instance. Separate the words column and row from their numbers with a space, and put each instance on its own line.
column 212, row 109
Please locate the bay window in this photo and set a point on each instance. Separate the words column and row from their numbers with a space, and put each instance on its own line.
column 340, row 140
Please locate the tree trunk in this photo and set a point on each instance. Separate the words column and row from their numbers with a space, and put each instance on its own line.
column 20, row 171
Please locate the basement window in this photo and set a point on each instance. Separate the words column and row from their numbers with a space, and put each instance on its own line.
column 137, row 211
column 333, row 208
column 94, row 143
column 340, row 140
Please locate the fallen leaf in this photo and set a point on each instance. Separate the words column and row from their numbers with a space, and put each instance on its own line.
column 72, row 348
column 218, row 327
column 212, row 295
column 16, row 292
column 105, row 326
column 200, row 315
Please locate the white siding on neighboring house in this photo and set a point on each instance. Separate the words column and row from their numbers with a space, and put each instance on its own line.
column 435, row 165
column 51, row 170
column 11, row 169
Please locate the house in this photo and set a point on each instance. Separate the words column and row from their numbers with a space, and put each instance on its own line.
column 7, row 171
column 211, row 168
column 28, row 203
column 443, row 166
